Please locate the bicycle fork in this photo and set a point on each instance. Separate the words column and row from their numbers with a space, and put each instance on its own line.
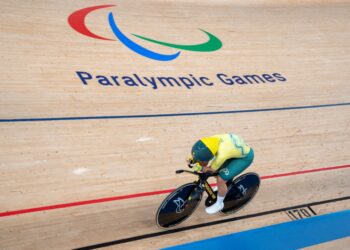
column 196, row 193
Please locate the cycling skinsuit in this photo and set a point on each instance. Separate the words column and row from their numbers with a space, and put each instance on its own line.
column 233, row 156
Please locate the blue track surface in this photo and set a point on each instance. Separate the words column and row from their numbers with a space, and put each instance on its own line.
column 171, row 115
column 289, row 235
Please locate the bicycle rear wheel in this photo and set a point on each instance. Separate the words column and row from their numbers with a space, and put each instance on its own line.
column 176, row 207
column 249, row 184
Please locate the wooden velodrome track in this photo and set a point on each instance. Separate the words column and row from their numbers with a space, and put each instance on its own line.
column 99, row 176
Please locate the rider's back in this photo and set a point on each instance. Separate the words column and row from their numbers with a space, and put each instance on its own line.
column 231, row 146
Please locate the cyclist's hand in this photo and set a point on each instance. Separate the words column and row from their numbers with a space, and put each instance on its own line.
column 190, row 162
column 194, row 165
column 197, row 167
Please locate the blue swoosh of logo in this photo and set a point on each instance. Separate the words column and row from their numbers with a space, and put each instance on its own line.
column 135, row 47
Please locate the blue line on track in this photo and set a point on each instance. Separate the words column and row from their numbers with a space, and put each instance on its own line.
column 170, row 115
column 289, row 235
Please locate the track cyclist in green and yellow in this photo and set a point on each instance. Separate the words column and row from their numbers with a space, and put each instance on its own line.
column 226, row 153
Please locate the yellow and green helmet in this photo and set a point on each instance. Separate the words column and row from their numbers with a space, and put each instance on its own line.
column 205, row 149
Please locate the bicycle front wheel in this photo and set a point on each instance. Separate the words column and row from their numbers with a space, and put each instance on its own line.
column 176, row 207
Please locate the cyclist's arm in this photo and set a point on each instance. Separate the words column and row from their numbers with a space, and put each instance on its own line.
column 208, row 169
column 218, row 161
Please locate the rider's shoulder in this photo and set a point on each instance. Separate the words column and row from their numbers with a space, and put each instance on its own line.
column 222, row 137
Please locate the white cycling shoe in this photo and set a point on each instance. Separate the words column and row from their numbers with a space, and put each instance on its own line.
column 216, row 207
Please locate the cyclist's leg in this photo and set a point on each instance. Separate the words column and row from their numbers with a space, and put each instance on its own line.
column 220, row 180
column 235, row 166
column 227, row 172
column 231, row 168
column 222, row 188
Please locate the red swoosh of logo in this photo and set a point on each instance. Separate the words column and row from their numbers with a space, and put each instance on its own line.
column 77, row 21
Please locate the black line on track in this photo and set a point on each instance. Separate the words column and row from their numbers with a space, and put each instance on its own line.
column 176, row 230
column 171, row 114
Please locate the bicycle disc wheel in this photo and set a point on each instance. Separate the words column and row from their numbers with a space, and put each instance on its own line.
column 248, row 183
column 176, row 207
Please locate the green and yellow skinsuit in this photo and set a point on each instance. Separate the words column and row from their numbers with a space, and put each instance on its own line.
column 233, row 156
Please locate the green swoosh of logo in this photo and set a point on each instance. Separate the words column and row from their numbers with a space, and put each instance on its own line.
column 211, row 45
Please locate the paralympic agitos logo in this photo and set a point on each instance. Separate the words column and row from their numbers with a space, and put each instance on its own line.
column 77, row 21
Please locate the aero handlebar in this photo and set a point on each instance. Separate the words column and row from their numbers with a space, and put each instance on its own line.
column 196, row 173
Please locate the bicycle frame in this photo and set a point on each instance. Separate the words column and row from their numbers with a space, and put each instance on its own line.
column 202, row 183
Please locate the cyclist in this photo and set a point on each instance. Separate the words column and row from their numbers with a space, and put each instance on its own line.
column 227, row 153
